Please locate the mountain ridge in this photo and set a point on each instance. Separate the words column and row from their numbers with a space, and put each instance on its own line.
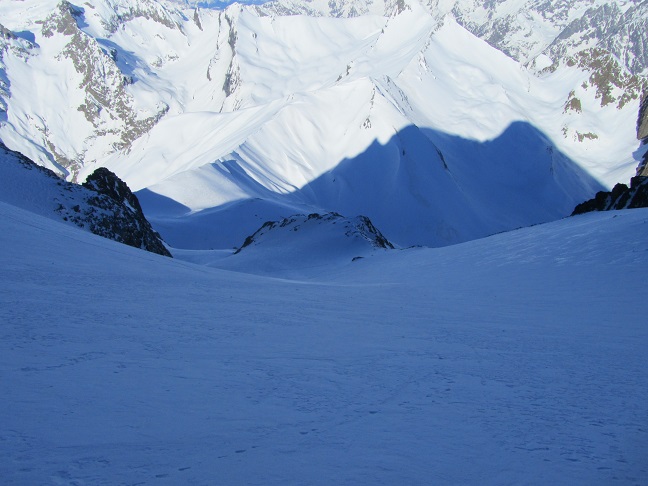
column 175, row 28
column 212, row 108
column 103, row 205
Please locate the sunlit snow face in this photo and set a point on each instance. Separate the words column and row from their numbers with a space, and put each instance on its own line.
column 220, row 3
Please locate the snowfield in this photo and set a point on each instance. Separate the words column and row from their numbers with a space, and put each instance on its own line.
column 516, row 359
column 337, row 347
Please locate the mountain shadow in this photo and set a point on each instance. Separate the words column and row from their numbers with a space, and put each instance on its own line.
column 425, row 187
column 422, row 187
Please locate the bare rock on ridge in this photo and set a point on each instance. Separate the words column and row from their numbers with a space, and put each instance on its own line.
column 104, row 205
column 621, row 197
column 125, row 220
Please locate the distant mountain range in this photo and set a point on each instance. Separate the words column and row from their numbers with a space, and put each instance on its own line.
column 442, row 121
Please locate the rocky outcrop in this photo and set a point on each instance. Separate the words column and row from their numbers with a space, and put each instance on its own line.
column 608, row 43
column 6, row 33
column 127, row 10
column 621, row 197
column 123, row 219
column 604, row 40
column 358, row 229
column 103, row 205
column 62, row 20
column 642, row 120
column 642, row 168
column 642, row 134
column 105, row 182
column 332, row 8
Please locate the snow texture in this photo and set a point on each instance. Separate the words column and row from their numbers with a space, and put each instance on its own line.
column 519, row 358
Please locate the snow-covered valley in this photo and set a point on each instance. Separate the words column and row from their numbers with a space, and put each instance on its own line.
column 374, row 276
column 517, row 359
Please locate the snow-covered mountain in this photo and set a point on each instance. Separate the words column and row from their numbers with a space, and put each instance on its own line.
column 288, row 342
column 441, row 121
column 525, row 30
column 299, row 242
column 607, row 38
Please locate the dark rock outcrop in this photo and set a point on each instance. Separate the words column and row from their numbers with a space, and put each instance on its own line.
column 642, row 134
column 642, row 168
column 103, row 205
column 123, row 219
column 621, row 197
column 105, row 182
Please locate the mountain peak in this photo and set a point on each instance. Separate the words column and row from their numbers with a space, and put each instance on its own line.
column 62, row 20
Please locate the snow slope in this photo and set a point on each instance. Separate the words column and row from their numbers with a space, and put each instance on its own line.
column 519, row 358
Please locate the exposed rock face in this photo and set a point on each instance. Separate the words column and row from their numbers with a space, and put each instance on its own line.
column 124, row 222
column 127, row 10
column 609, row 44
column 603, row 39
column 642, row 168
column 333, row 8
column 104, row 205
column 621, row 197
column 364, row 225
column 581, row 25
column 62, row 20
column 642, row 134
column 105, row 182
column 6, row 33
column 642, row 121
column 108, row 106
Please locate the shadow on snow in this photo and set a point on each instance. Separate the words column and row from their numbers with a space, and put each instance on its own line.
column 422, row 187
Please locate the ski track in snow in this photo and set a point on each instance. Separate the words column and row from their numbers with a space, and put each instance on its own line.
column 518, row 359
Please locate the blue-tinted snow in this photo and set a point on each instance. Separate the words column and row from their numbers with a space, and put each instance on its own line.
column 515, row 359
